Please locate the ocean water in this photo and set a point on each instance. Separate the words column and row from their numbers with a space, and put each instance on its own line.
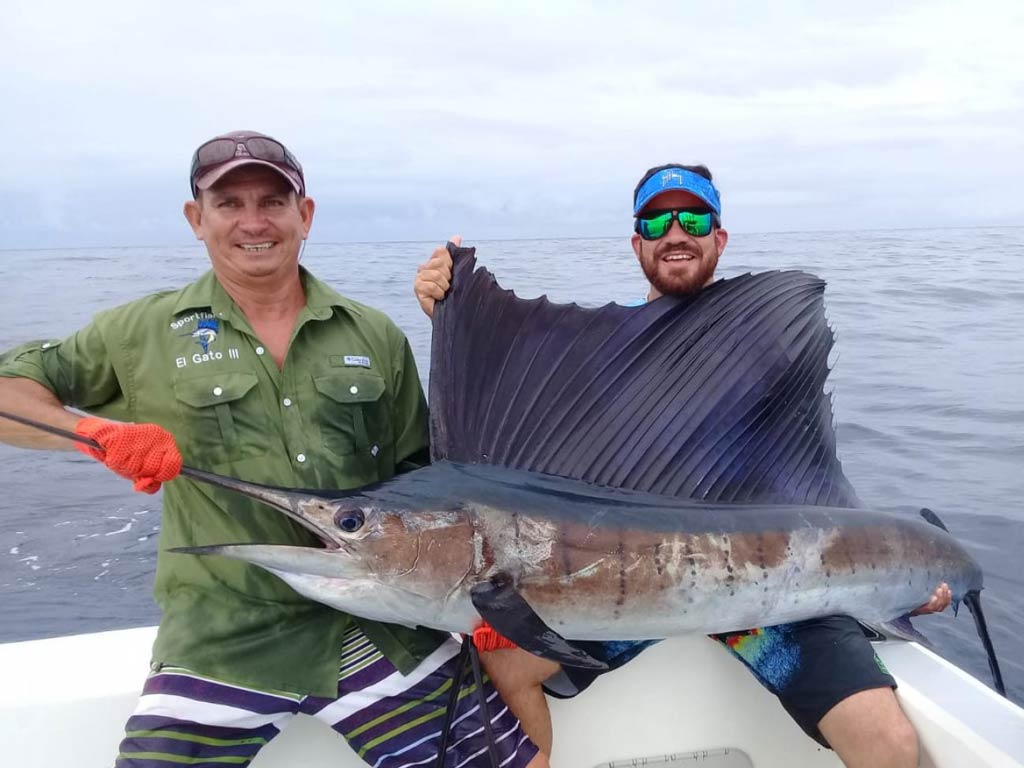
column 927, row 381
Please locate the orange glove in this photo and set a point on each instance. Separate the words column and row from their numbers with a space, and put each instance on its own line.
column 486, row 639
column 143, row 453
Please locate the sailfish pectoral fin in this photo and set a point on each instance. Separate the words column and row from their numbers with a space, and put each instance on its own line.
column 501, row 606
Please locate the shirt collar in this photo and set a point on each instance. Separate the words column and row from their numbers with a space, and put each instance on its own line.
column 207, row 292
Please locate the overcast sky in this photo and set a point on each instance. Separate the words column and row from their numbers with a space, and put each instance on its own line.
column 415, row 120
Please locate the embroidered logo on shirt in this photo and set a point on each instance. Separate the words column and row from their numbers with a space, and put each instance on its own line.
column 360, row 360
column 206, row 332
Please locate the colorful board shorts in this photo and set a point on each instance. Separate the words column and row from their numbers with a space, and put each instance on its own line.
column 810, row 665
column 391, row 720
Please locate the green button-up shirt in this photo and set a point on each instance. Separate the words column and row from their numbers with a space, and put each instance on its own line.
column 345, row 410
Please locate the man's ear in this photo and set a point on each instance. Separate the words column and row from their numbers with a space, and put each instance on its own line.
column 721, row 238
column 193, row 211
column 636, row 241
column 306, row 209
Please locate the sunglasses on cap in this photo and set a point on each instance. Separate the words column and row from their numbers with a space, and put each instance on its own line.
column 225, row 148
column 696, row 222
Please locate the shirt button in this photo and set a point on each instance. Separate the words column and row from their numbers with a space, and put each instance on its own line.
column 301, row 458
column 260, row 350
column 287, row 401
column 218, row 391
column 354, row 389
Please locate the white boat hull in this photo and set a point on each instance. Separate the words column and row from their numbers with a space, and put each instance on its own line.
column 64, row 701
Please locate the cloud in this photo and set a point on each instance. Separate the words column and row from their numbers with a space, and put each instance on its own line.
column 529, row 120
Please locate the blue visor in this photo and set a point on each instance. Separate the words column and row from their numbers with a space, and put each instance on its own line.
column 678, row 178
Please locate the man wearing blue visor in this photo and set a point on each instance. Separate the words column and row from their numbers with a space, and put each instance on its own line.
column 824, row 671
column 677, row 259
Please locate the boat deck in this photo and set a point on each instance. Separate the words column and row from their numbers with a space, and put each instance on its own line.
column 685, row 701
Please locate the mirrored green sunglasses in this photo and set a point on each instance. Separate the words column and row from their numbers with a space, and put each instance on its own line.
column 696, row 222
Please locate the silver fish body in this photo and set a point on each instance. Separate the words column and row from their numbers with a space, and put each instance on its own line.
column 598, row 563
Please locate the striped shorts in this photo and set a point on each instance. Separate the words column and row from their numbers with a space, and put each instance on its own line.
column 391, row 720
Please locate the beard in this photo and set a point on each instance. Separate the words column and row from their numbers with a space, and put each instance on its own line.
column 678, row 278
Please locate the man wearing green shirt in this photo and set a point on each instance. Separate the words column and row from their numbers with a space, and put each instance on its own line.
column 259, row 371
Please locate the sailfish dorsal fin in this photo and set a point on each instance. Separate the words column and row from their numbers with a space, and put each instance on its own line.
column 719, row 396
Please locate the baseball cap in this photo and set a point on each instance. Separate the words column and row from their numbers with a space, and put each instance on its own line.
column 222, row 154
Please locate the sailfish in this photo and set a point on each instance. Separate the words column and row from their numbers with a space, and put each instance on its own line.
column 619, row 473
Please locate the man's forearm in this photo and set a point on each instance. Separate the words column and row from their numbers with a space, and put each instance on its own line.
column 27, row 398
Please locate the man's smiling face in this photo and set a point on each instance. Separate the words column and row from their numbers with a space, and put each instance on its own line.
column 252, row 222
column 678, row 263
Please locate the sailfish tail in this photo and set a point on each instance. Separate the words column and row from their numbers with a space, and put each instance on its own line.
column 972, row 600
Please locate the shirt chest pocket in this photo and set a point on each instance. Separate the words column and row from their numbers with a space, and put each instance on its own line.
column 223, row 417
column 353, row 413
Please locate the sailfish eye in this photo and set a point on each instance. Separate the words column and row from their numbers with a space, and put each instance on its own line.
column 349, row 520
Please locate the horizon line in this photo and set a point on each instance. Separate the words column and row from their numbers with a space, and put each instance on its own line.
column 527, row 239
